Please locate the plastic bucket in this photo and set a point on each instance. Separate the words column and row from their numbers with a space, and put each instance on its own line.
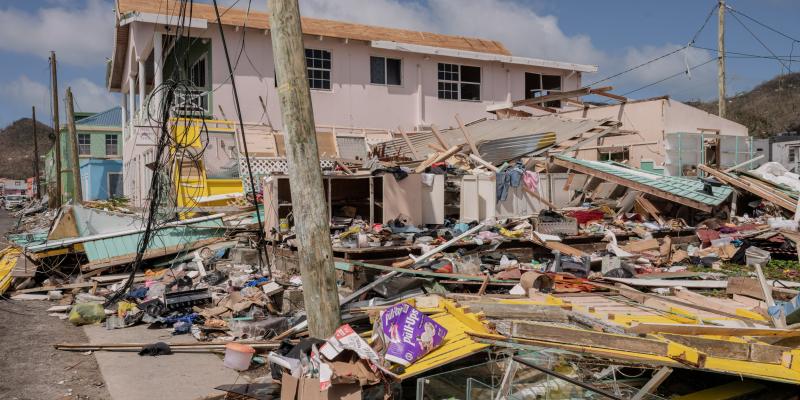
column 238, row 356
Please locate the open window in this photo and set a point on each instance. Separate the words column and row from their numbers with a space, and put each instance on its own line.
column 385, row 71
column 537, row 85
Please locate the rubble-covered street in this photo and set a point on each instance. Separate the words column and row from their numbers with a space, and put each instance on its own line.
column 283, row 206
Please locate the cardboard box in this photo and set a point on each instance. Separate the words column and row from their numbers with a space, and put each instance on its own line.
column 308, row 389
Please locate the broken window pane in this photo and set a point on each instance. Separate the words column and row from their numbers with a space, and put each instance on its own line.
column 470, row 91
column 533, row 82
column 470, row 74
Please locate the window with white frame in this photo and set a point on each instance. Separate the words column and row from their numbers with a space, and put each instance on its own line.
column 318, row 67
column 84, row 144
column 112, row 145
column 384, row 71
column 459, row 82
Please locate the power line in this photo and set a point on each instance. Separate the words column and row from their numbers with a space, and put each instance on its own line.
column 762, row 24
column 691, row 43
column 761, row 42
column 670, row 77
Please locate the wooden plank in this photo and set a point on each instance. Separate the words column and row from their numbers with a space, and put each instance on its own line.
column 438, row 137
column 749, row 187
column 715, row 347
column 408, row 143
column 559, row 334
column 750, row 287
column 531, row 312
column 650, row 208
column 634, row 185
column 658, row 378
column 720, row 304
column 467, row 136
column 689, row 329
column 564, row 249
column 700, row 284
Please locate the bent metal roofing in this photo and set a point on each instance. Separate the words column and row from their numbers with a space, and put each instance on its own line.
column 686, row 191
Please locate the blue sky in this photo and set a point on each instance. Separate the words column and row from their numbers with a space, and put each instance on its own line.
column 612, row 34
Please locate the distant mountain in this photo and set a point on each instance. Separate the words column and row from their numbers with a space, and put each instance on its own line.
column 16, row 147
column 768, row 109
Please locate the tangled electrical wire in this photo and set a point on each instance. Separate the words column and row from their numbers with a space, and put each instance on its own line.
column 174, row 109
column 173, row 115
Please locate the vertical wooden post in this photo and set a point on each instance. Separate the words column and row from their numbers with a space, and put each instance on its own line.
column 36, row 156
column 72, row 139
column 311, row 223
column 55, row 201
column 721, row 58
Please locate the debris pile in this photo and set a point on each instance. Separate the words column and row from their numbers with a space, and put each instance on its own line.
column 451, row 263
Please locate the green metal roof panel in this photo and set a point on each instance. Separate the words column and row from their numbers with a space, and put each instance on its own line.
column 172, row 236
column 110, row 117
column 685, row 187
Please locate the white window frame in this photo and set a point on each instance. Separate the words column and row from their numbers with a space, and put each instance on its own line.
column 386, row 71
column 108, row 182
column 116, row 144
column 459, row 82
column 80, row 152
column 329, row 70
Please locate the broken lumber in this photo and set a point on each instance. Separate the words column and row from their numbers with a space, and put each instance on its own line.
column 690, row 329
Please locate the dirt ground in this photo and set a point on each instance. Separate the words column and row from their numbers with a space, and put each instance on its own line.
column 30, row 368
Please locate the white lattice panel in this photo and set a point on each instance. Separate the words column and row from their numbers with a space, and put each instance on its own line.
column 264, row 166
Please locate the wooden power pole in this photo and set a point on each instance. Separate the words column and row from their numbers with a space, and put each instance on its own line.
column 312, row 225
column 55, row 202
column 38, row 187
column 721, row 57
column 72, row 139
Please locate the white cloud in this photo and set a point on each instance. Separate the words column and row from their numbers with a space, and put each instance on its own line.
column 17, row 96
column 79, row 35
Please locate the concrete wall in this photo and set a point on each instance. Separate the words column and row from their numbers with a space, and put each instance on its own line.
column 652, row 120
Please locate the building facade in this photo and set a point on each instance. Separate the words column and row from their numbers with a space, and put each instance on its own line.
column 99, row 154
column 361, row 77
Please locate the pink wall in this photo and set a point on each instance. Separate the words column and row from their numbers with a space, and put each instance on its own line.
column 652, row 120
column 353, row 101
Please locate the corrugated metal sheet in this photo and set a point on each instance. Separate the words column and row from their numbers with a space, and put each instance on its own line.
column 164, row 238
column 486, row 131
column 497, row 151
column 111, row 117
column 684, row 187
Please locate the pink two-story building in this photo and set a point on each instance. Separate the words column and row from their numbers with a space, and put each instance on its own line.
column 361, row 77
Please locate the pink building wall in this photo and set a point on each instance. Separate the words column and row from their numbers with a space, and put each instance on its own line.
column 353, row 101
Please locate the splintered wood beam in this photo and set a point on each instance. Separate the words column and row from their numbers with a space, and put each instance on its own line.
column 467, row 136
column 408, row 143
column 438, row 137
column 543, row 108
column 609, row 95
column 560, row 96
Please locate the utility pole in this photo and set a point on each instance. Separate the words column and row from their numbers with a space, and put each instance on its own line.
column 55, row 202
column 308, row 199
column 721, row 57
column 36, row 156
column 72, row 139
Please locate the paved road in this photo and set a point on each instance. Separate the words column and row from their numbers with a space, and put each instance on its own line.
column 29, row 366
